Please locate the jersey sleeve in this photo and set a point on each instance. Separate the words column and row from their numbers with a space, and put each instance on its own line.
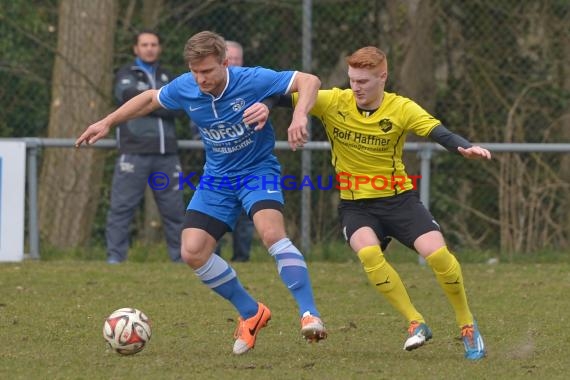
column 418, row 120
column 272, row 82
column 324, row 99
column 168, row 95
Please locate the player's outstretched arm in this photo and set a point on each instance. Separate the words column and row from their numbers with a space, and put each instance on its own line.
column 457, row 144
column 138, row 106
column 307, row 85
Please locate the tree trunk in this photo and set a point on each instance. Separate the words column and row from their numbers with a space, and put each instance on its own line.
column 564, row 72
column 411, row 65
column 152, row 231
column 151, row 11
column 70, row 180
column 416, row 76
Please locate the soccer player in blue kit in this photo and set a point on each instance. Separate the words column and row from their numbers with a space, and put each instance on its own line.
column 224, row 103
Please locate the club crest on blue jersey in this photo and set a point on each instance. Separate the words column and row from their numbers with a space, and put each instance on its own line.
column 238, row 104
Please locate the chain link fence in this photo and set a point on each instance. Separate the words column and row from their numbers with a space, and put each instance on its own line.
column 491, row 70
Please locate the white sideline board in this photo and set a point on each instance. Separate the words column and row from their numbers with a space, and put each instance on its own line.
column 12, row 197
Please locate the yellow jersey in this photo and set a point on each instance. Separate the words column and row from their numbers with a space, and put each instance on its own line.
column 367, row 150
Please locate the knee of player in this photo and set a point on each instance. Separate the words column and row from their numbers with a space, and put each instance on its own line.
column 192, row 255
column 188, row 258
column 371, row 256
column 271, row 235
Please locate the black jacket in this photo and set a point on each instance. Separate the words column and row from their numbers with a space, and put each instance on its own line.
column 151, row 134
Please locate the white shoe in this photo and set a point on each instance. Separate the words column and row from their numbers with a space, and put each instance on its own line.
column 312, row 328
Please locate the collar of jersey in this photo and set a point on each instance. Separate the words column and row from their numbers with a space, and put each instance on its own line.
column 225, row 88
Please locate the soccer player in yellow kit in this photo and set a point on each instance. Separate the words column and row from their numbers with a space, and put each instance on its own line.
column 367, row 127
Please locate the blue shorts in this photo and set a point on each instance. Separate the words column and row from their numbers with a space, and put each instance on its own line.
column 223, row 197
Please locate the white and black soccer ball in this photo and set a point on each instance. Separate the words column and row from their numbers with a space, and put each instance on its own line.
column 127, row 330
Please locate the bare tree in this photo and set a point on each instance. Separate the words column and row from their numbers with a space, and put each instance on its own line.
column 564, row 125
column 529, row 186
column 412, row 31
column 151, row 11
column 70, row 181
column 411, row 65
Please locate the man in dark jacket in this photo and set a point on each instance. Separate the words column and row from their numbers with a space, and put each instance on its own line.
column 146, row 145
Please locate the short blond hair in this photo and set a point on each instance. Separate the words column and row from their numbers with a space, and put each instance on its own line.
column 204, row 44
column 368, row 57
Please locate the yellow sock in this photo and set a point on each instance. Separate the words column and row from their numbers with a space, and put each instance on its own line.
column 448, row 273
column 387, row 281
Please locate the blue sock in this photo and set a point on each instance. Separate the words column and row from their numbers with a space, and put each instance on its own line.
column 293, row 271
column 222, row 279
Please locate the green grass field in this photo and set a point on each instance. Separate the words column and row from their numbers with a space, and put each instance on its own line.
column 52, row 312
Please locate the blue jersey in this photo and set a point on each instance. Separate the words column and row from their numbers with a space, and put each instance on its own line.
column 232, row 147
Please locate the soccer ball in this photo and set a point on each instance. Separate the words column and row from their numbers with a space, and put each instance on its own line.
column 127, row 330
